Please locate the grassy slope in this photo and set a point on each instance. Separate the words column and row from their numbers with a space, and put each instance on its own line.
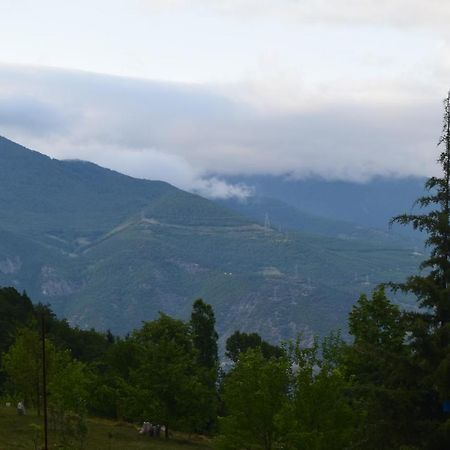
column 16, row 433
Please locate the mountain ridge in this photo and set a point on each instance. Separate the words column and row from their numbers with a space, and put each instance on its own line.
column 108, row 251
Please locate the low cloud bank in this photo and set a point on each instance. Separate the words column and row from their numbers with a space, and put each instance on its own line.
column 183, row 133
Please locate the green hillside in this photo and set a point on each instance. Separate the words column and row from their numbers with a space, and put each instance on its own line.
column 19, row 433
column 109, row 251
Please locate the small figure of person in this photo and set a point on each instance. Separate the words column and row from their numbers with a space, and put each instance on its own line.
column 21, row 408
column 145, row 428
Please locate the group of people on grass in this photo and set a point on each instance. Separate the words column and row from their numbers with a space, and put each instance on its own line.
column 152, row 430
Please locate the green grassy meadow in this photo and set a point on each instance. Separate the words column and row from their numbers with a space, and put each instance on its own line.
column 16, row 432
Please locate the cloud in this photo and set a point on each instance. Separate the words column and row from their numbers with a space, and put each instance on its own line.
column 194, row 135
column 397, row 13
column 26, row 113
column 156, row 165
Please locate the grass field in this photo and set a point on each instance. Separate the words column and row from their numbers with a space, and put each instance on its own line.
column 16, row 432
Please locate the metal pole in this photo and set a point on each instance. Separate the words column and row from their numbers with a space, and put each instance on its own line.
column 44, row 383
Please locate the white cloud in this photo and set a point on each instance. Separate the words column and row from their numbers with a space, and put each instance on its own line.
column 191, row 135
column 411, row 13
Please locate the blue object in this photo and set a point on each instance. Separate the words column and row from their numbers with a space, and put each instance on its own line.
column 446, row 406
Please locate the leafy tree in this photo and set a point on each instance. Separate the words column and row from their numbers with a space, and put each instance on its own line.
column 15, row 311
column 68, row 394
column 112, row 391
column 384, row 379
column 255, row 393
column 169, row 389
column 319, row 413
column 23, row 366
column 67, row 379
column 239, row 343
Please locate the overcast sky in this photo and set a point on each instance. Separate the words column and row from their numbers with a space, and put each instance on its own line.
column 191, row 90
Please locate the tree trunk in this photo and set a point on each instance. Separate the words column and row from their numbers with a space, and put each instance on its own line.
column 166, row 431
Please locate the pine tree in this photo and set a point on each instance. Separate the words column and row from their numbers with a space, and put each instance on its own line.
column 433, row 289
column 430, row 326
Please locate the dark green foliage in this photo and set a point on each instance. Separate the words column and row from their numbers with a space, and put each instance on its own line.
column 18, row 313
column 239, row 343
column 377, row 322
column 320, row 414
column 154, row 374
column 430, row 327
column 85, row 345
column 433, row 290
column 385, row 381
column 298, row 400
column 255, row 393
column 398, row 364
column 169, row 381
column 204, row 338
column 204, row 334
column 112, row 394
column 15, row 311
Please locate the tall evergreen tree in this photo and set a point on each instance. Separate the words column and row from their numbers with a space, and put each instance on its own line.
column 430, row 327
column 433, row 289
column 204, row 338
column 204, row 334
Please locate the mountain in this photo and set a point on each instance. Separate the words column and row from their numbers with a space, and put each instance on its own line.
column 370, row 204
column 108, row 251
column 282, row 216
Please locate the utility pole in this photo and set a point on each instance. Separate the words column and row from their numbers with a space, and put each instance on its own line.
column 44, row 382
column 266, row 222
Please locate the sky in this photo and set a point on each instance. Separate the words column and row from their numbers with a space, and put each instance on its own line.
column 190, row 91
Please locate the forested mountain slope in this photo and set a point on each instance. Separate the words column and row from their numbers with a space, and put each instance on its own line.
column 109, row 251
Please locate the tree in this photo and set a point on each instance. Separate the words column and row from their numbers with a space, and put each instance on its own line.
column 384, row 380
column 68, row 389
column 112, row 393
column 204, row 334
column 169, row 388
column 254, row 394
column 204, row 338
column 433, row 289
column 239, row 343
column 298, row 400
column 430, row 328
column 23, row 366
column 84, row 345
column 67, row 382
column 319, row 414
column 15, row 311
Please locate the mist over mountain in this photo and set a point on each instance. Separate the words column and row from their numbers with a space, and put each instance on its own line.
column 108, row 251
